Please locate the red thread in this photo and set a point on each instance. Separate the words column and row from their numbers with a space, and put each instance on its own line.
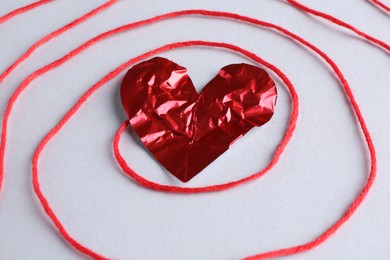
column 340, row 23
column 22, row 10
column 45, row 203
column 382, row 5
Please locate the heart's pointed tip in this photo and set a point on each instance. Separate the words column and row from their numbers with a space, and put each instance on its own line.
column 184, row 176
column 184, row 180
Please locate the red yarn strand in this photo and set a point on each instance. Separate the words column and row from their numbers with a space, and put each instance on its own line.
column 22, row 10
column 292, row 250
column 340, row 23
column 381, row 5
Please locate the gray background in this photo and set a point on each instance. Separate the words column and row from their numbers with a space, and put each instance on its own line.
column 318, row 176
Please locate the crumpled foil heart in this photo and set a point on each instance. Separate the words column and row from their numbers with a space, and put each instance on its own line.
column 184, row 130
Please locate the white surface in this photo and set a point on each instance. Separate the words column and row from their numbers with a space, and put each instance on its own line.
column 318, row 176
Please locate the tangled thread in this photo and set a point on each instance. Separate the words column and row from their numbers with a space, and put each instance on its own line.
column 146, row 183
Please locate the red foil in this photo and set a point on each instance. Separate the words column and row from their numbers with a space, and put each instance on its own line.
column 184, row 130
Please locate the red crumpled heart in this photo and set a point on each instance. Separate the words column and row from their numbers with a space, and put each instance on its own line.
column 185, row 130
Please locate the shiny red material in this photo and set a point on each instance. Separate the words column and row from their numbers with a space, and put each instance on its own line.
column 185, row 130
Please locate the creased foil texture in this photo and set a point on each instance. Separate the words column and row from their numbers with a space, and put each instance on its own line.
column 184, row 130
